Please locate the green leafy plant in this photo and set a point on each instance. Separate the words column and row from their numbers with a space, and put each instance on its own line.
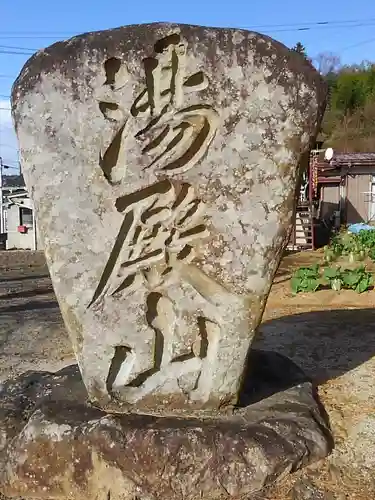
column 333, row 276
column 338, row 244
column 355, row 246
column 306, row 279
column 334, row 249
column 357, row 252
column 310, row 279
column 366, row 239
column 357, row 279
column 330, row 255
column 371, row 254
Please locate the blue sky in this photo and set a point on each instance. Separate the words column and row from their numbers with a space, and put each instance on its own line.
column 33, row 25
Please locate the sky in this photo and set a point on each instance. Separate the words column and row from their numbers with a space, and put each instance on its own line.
column 348, row 31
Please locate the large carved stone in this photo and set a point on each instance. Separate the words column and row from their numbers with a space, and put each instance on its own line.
column 163, row 163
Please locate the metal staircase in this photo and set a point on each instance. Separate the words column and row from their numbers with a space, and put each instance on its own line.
column 302, row 237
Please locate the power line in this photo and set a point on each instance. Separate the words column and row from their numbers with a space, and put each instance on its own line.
column 12, row 167
column 282, row 25
column 280, row 28
column 34, row 37
column 301, row 26
column 364, row 42
column 315, row 23
column 38, row 32
column 314, row 28
column 10, row 161
column 11, row 47
column 13, row 52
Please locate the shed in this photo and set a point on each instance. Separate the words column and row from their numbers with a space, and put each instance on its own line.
column 21, row 226
column 347, row 183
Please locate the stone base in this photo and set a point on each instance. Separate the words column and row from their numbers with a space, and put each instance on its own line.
column 55, row 445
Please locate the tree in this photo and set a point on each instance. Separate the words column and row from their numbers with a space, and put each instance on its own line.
column 327, row 62
column 350, row 92
column 300, row 49
column 349, row 122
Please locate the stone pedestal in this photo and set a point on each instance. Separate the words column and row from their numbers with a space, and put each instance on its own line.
column 55, row 445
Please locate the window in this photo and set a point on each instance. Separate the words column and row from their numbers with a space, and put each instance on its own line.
column 26, row 217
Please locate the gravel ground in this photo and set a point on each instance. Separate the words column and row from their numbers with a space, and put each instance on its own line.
column 32, row 334
column 330, row 335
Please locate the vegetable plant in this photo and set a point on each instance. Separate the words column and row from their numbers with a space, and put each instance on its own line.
column 355, row 246
column 306, row 279
column 371, row 254
column 357, row 279
column 309, row 279
column 333, row 276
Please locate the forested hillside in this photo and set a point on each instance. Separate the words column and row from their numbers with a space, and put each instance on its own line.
column 349, row 122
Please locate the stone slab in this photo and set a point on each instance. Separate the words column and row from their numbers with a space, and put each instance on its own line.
column 55, row 445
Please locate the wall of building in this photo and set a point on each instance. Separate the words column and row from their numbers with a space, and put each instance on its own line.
column 372, row 199
column 357, row 202
column 15, row 239
column 330, row 199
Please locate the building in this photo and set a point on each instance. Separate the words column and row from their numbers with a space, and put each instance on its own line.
column 346, row 183
column 339, row 189
column 19, row 225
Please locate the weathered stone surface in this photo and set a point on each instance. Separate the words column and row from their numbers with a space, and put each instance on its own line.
column 163, row 163
column 54, row 445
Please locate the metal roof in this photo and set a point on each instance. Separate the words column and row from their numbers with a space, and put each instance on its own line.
column 353, row 159
column 13, row 181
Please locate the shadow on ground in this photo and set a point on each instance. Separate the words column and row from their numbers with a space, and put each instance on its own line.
column 32, row 305
column 325, row 344
column 7, row 279
column 27, row 293
column 268, row 373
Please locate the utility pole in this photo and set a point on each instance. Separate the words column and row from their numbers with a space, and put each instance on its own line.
column 2, row 166
column 1, row 197
column 35, row 244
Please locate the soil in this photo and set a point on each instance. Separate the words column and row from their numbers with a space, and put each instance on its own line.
column 331, row 335
column 32, row 334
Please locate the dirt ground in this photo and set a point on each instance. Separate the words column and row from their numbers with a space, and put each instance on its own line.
column 331, row 335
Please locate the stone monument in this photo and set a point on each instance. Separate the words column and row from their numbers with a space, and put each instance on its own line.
column 163, row 162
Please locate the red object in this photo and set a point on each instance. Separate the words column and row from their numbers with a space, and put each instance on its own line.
column 22, row 229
